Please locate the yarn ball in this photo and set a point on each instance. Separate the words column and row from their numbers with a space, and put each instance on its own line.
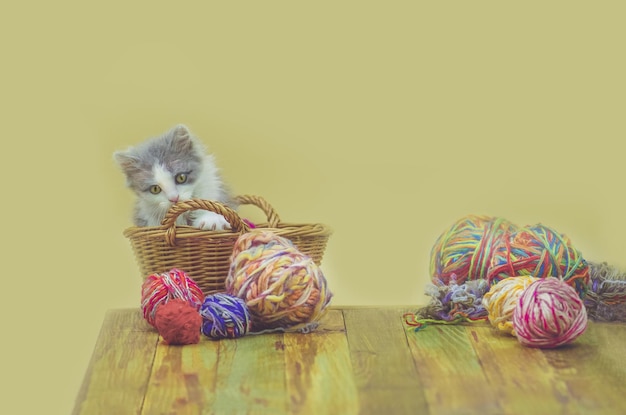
column 464, row 251
column 541, row 252
column 501, row 299
column 549, row 313
column 178, row 322
column 158, row 289
column 282, row 287
column 224, row 316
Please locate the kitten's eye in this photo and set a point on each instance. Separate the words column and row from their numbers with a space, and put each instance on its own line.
column 155, row 190
column 181, row 178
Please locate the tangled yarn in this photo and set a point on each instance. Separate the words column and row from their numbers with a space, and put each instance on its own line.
column 158, row 289
column 464, row 251
column 224, row 316
column 501, row 299
column 541, row 252
column 459, row 261
column 491, row 249
column 451, row 303
column 178, row 322
column 282, row 287
column 549, row 314
column 606, row 298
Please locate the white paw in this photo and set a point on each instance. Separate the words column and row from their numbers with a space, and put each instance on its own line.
column 210, row 221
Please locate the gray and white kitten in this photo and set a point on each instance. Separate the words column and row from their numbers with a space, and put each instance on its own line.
column 173, row 167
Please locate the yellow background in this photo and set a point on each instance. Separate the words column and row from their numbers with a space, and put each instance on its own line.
column 385, row 120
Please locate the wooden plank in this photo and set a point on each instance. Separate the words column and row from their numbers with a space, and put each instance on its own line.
column 384, row 370
column 450, row 372
column 183, row 379
column 251, row 376
column 515, row 373
column 593, row 370
column 319, row 371
column 360, row 360
column 118, row 373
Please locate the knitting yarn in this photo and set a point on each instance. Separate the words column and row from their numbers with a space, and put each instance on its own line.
column 459, row 261
column 158, row 289
column 541, row 252
column 224, row 316
column 453, row 302
column 549, row 314
column 606, row 298
column 282, row 287
column 501, row 299
column 478, row 248
column 464, row 251
column 178, row 322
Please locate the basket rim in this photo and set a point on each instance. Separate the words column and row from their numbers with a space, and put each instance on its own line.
column 181, row 232
column 184, row 231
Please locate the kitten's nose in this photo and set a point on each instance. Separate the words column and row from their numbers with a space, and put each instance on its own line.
column 174, row 199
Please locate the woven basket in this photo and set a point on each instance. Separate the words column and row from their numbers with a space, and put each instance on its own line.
column 205, row 255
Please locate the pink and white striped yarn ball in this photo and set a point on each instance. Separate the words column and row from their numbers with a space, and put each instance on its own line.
column 549, row 314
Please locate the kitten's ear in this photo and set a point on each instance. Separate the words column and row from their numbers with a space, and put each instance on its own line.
column 181, row 131
column 125, row 160
column 183, row 141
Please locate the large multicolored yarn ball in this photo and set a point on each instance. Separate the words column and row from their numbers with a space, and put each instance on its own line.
column 464, row 251
column 541, row 252
column 501, row 299
column 282, row 287
column 178, row 322
column 224, row 316
column 158, row 289
column 549, row 314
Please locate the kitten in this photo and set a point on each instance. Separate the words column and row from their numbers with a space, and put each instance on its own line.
column 173, row 167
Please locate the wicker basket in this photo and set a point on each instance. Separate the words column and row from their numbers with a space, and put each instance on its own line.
column 205, row 255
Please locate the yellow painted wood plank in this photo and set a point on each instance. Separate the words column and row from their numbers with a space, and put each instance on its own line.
column 183, row 379
column 593, row 370
column 251, row 376
column 450, row 372
column 319, row 371
column 118, row 373
column 384, row 370
column 515, row 373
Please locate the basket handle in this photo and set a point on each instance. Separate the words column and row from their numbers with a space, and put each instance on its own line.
column 272, row 217
column 177, row 209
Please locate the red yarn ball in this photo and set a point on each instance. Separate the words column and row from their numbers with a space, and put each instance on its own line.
column 159, row 289
column 178, row 322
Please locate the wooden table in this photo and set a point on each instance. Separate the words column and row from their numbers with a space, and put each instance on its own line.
column 360, row 360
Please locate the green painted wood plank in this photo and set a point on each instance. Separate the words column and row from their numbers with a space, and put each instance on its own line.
column 450, row 372
column 251, row 376
column 319, row 371
column 384, row 370
column 183, row 379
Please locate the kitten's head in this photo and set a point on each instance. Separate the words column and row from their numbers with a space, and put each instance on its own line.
column 163, row 170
